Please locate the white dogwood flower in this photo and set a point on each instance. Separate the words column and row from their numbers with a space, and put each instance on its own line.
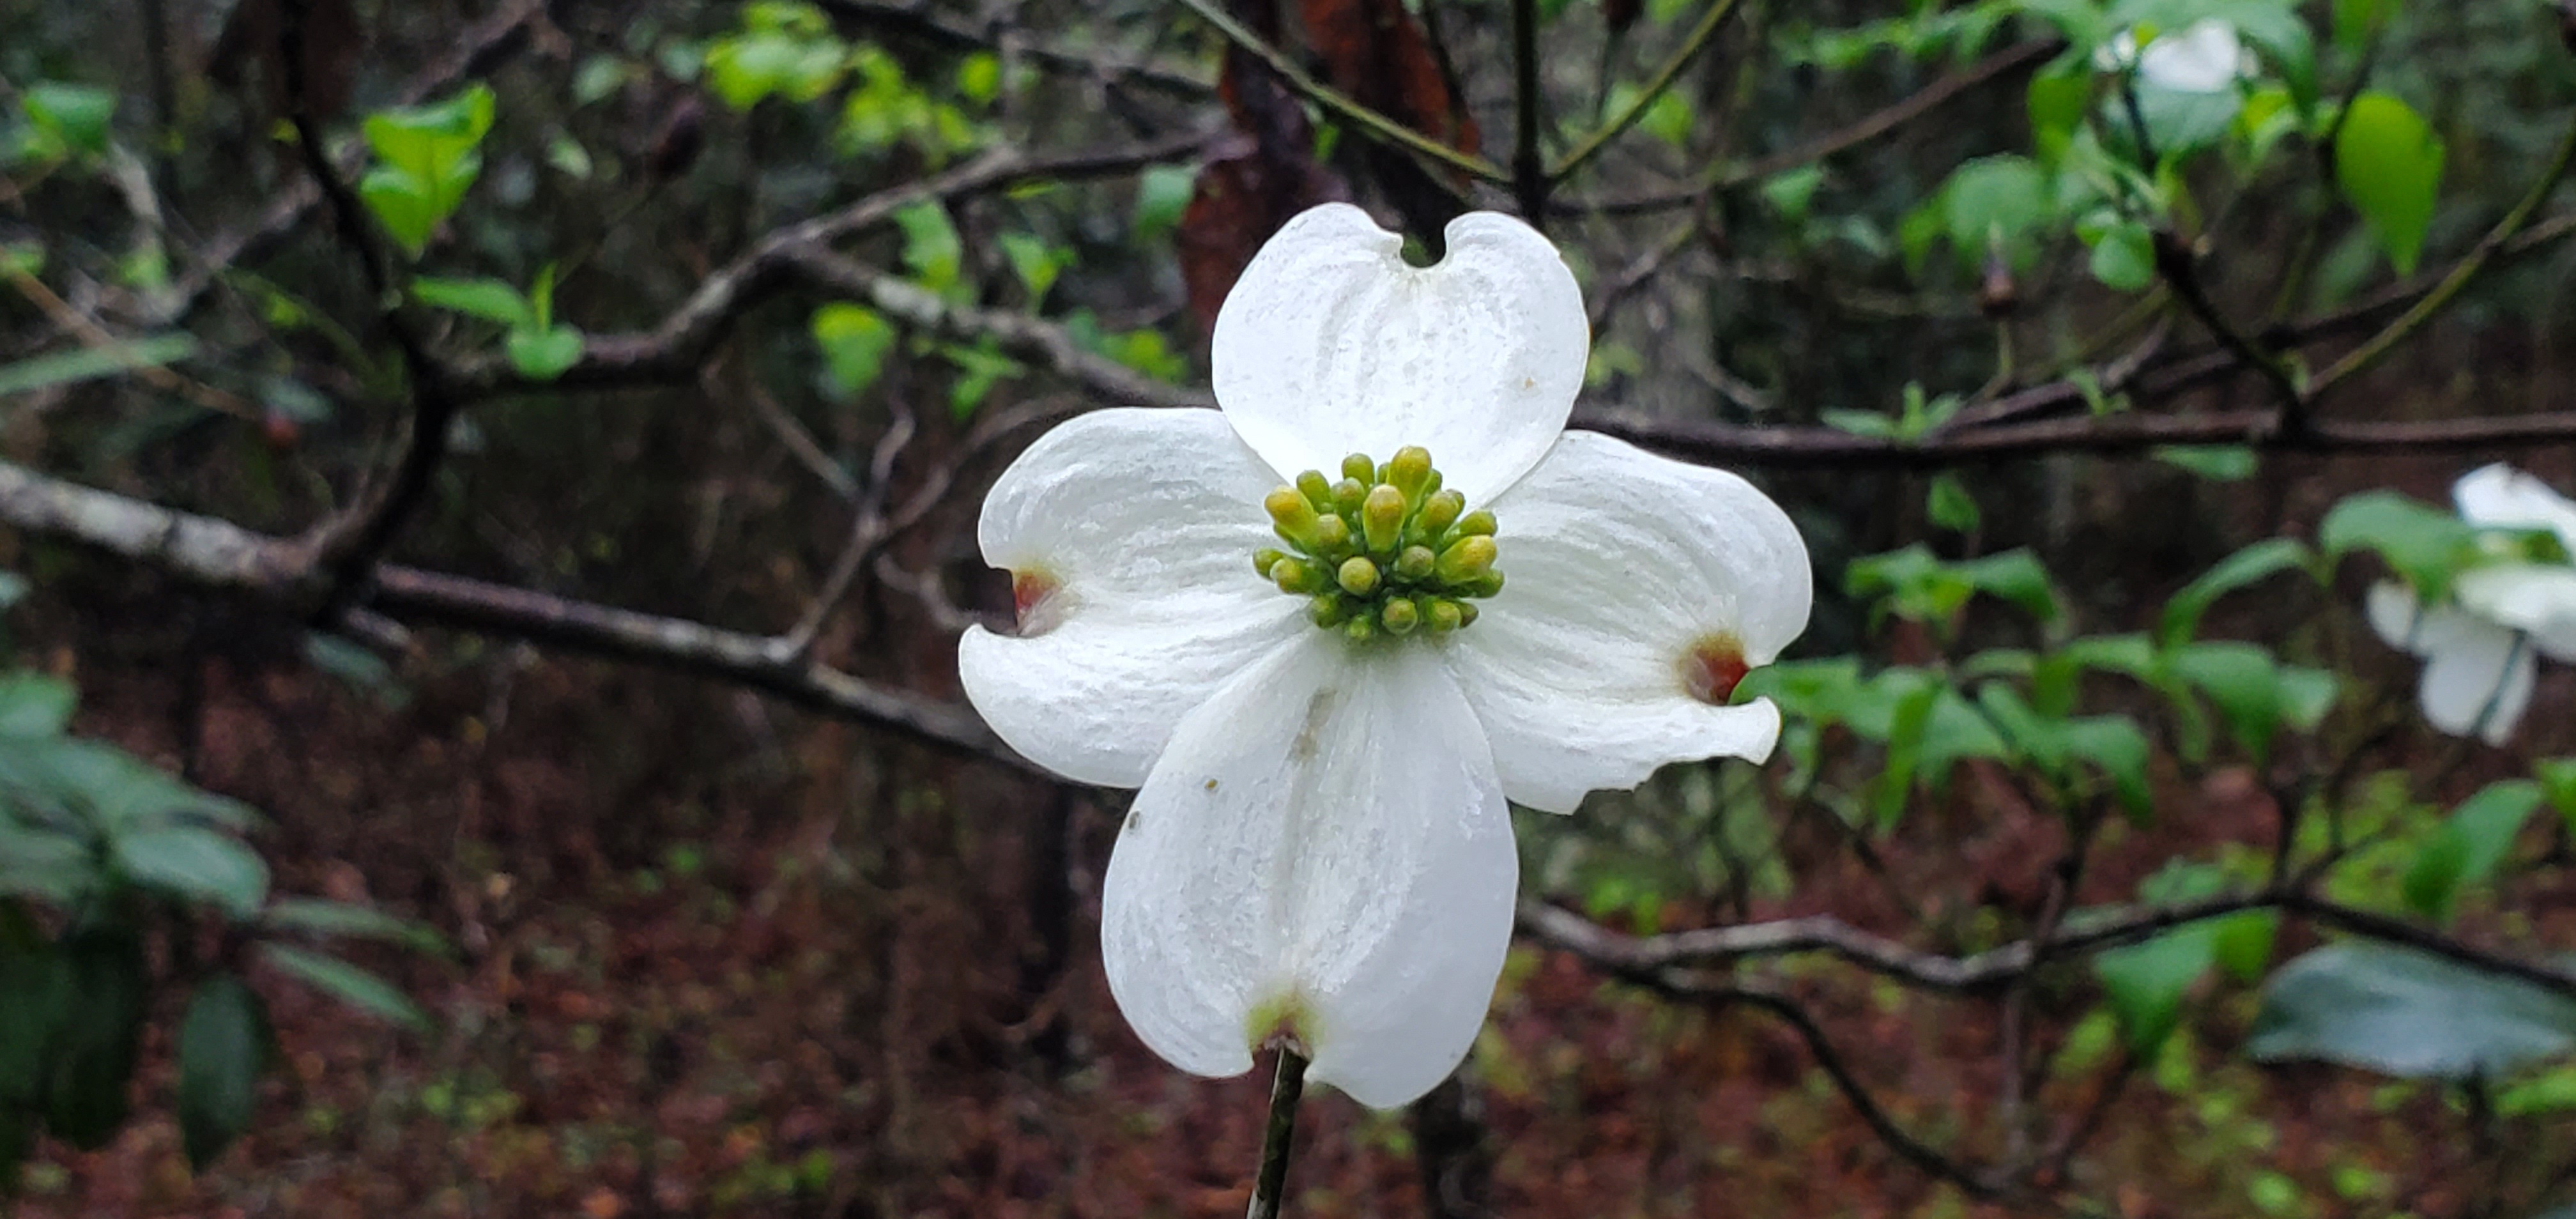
column 2203, row 57
column 1293, row 633
column 2479, row 648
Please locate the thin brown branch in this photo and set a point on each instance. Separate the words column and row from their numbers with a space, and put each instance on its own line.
column 1876, row 125
column 219, row 555
column 349, row 544
column 483, row 46
column 672, row 350
column 1659, row 960
column 922, row 22
column 1913, row 1150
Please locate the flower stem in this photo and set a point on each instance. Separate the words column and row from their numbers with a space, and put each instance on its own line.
column 1272, row 1180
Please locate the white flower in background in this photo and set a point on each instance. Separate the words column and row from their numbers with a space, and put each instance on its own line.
column 1325, row 689
column 2479, row 647
column 2203, row 57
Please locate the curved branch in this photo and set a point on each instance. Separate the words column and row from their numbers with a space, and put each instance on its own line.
column 1693, row 43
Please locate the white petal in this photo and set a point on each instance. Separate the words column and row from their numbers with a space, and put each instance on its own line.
column 2390, row 606
column 1324, row 841
column 2536, row 599
column 1330, row 344
column 2120, row 52
column 1617, row 565
column 2203, row 58
column 1145, row 522
column 2477, row 680
column 2506, row 498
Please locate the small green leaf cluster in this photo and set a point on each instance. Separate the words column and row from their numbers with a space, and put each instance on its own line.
column 426, row 158
column 98, row 848
column 538, row 346
column 2021, row 706
column 58, row 122
column 789, row 51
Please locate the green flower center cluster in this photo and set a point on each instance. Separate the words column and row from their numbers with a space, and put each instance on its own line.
column 1383, row 551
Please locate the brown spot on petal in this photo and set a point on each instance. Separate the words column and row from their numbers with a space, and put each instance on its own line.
column 1712, row 667
column 1033, row 599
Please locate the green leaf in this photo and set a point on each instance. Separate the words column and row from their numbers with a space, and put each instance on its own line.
column 1997, row 203
column 340, row 920
column 979, row 77
column 931, row 249
column 93, row 1048
column 2016, row 576
column 1162, row 194
column 2146, row 983
column 2219, row 463
column 76, row 115
column 2124, row 257
column 2400, row 1012
column 195, row 863
column 2244, row 943
column 33, row 983
column 35, row 704
column 855, row 343
column 427, row 159
column 2058, row 99
column 91, row 363
column 1035, row 262
column 2423, row 544
column 2557, row 778
column 2306, row 696
column 489, row 299
column 106, row 787
column 2468, row 846
column 1792, row 192
column 347, row 983
column 2244, row 682
column 2389, row 163
column 2356, row 22
column 223, row 1045
column 1950, row 505
column 2181, row 619
column 543, row 355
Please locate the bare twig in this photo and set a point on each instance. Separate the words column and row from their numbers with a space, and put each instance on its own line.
column 1366, row 121
column 220, row 555
column 672, row 350
column 1732, row 175
column 1692, row 44
column 350, row 543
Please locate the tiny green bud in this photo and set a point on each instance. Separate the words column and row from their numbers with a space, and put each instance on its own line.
column 1466, row 559
column 1316, row 490
column 1382, row 518
column 1486, row 585
column 1359, row 469
column 1332, row 534
column 1292, row 517
column 1441, row 511
column 1400, row 617
column 1264, row 559
column 1466, row 612
column 1433, row 485
column 1348, row 495
column 1445, row 616
column 1410, row 472
column 1295, row 576
column 1478, row 523
column 1328, row 611
column 1415, row 563
column 1358, row 577
column 1360, row 629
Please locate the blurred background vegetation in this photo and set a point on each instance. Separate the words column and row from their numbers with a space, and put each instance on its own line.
column 552, row 794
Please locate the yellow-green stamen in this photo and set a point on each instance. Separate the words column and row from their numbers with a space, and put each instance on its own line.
column 1381, row 552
